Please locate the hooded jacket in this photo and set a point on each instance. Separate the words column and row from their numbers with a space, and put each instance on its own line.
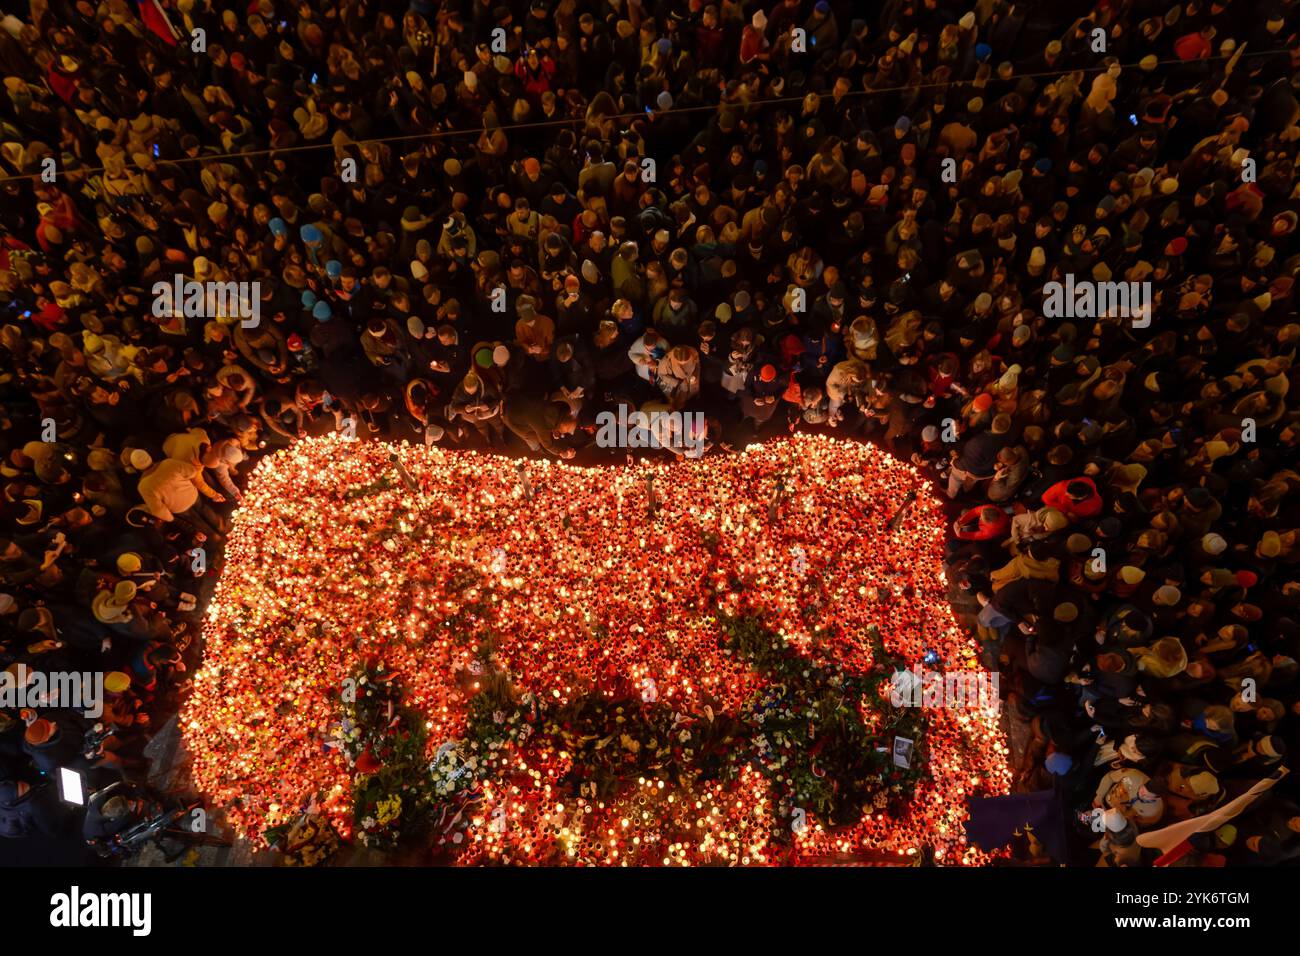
column 172, row 487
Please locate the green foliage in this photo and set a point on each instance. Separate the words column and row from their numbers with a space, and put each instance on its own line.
column 809, row 736
column 393, row 801
column 813, row 731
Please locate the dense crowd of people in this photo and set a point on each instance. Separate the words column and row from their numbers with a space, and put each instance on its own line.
column 482, row 225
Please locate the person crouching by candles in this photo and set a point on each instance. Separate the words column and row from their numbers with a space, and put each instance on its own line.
column 541, row 423
column 170, row 490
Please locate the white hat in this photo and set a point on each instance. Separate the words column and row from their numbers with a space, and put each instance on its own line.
column 12, row 26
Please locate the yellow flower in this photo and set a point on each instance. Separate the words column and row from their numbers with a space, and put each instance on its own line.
column 389, row 810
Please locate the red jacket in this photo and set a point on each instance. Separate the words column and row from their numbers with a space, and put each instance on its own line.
column 535, row 82
column 155, row 18
column 63, row 84
column 986, row 531
column 1056, row 497
column 1191, row 46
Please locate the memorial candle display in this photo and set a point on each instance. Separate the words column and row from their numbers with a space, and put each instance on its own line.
column 577, row 592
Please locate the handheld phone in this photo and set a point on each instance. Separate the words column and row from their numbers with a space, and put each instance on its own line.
column 1132, row 118
column 70, row 786
column 155, row 150
column 314, row 77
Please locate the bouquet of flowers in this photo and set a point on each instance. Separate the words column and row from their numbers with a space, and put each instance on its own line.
column 385, row 742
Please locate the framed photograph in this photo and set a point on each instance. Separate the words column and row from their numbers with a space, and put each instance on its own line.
column 903, row 752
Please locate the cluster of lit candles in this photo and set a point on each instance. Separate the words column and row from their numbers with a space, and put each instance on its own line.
column 582, row 587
